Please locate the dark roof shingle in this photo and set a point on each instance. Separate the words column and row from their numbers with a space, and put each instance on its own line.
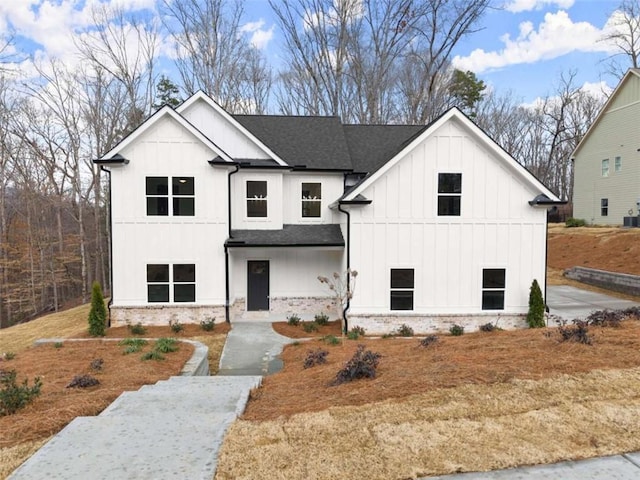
column 329, row 235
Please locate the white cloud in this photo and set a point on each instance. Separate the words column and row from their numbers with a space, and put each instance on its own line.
column 599, row 90
column 516, row 6
column 557, row 35
column 259, row 36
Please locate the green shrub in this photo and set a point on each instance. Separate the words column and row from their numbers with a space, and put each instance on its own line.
column 98, row 313
column 363, row 364
column 293, row 319
column 9, row 355
column 575, row 222
column 405, row 330
column 152, row 355
column 208, row 325
column 535, row 316
column 137, row 329
column 133, row 345
column 315, row 357
column 355, row 333
column 166, row 345
column 176, row 326
column 13, row 397
column 331, row 340
column 83, row 381
column 58, row 345
column 456, row 330
column 321, row 319
column 309, row 327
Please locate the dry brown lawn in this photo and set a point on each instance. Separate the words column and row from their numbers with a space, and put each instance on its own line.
column 23, row 433
column 477, row 402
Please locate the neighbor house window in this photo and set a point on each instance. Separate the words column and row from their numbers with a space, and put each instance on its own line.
column 256, row 198
column 449, row 194
column 181, row 197
column 311, row 199
column 493, row 286
column 177, row 281
column 617, row 164
column 402, row 286
column 605, row 167
column 604, row 207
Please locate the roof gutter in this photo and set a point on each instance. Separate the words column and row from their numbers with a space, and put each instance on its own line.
column 108, row 172
column 227, row 287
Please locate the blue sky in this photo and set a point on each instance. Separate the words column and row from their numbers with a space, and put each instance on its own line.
column 523, row 46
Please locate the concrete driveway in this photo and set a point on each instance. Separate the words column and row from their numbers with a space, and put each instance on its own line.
column 572, row 303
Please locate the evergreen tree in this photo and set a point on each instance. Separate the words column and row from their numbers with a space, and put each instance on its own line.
column 167, row 93
column 466, row 91
column 98, row 312
column 535, row 317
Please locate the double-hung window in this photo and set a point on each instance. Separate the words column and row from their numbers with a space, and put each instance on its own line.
column 604, row 207
column 402, row 287
column 166, row 281
column 256, row 198
column 179, row 200
column 449, row 194
column 617, row 164
column 605, row 167
column 311, row 200
column 493, row 287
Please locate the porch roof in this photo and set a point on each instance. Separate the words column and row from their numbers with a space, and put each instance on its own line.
column 290, row 236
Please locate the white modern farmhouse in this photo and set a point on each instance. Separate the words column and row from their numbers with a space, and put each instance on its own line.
column 235, row 216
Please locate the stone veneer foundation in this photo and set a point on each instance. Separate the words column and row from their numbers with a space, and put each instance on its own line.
column 385, row 323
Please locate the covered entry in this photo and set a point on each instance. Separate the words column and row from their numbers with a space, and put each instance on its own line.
column 257, row 285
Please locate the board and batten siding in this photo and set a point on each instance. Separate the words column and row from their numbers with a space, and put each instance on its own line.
column 617, row 134
column 332, row 188
column 167, row 149
column 401, row 229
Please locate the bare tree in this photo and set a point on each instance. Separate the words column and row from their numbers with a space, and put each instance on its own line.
column 214, row 55
column 625, row 36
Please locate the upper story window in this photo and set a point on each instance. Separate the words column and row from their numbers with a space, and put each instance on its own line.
column 181, row 197
column 311, row 199
column 402, row 285
column 617, row 164
column 449, row 194
column 179, row 284
column 493, row 286
column 256, row 198
column 605, row 167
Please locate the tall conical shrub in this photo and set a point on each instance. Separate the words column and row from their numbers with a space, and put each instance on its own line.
column 98, row 312
column 535, row 317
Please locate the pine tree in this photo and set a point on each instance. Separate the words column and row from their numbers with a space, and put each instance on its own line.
column 98, row 312
column 168, row 93
column 535, row 317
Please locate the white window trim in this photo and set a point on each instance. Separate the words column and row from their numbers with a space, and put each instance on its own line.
column 617, row 164
column 438, row 195
column 412, row 290
column 169, row 196
column 301, row 200
column 506, row 285
column 605, row 171
column 171, row 283
column 247, row 218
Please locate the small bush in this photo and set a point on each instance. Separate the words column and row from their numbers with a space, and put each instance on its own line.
column 13, row 397
column 331, row 340
column 315, row 357
column 388, row 335
column 133, row 345
column 58, row 345
column 405, row 330
column 152, row 355
column 578, row 332
column 456, row 330
column 575, row 222
column 176, row 326
column 535, row 316
column 208, row 325
column 488, row 327
column 355, row 333
column 137, row 329
column 309, row 327
column 293, row 319
column 363, row 364
column 166, row 345
column 9, row 355
column 321, row 319
column 83, row 381
column 98, row 313
column 606, row 318
column 428, row 340
column 96, row 364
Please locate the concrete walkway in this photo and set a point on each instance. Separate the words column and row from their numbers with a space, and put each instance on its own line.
column 170, row 430
column 572, row 303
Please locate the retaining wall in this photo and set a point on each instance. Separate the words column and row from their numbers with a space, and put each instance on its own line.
column 618, row 282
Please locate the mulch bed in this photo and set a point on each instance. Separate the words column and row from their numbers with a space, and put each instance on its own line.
column 188, row 330
column 407, row 368
column 291, row 331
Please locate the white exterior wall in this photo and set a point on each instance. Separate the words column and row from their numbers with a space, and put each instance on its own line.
column 225, row 135
column 274, row 218
column 401, row 229
column 167, row 149
column 332, row 189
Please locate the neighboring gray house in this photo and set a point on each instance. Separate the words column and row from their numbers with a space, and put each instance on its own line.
column 606, row 185
column 235, row 216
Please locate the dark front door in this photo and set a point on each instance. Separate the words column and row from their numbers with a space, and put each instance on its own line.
column 258, row 285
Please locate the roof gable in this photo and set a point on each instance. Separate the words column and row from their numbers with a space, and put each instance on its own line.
column 200, row 96
column 614, row 101
column 453, row 115
column 153, row 120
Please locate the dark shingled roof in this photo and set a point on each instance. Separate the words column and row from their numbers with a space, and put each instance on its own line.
column 371, row 146
column 315, row 142
column 290, row 236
